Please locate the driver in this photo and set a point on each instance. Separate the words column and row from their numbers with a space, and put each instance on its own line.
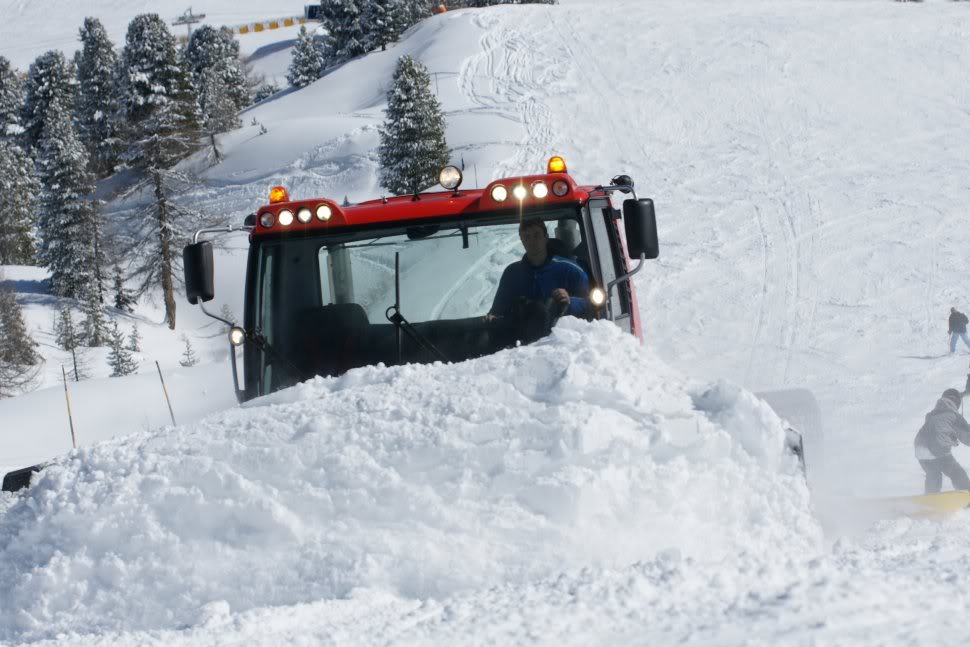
column 540, row 276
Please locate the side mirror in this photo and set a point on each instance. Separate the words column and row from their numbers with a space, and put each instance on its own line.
column 198, row 267
column 641, row 228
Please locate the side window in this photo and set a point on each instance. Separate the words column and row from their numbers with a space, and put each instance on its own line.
column 326, row 276
column 264, row 307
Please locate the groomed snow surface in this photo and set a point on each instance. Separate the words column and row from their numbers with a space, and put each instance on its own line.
column 809, row 165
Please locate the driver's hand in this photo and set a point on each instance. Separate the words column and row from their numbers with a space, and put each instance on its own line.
column 560, row 295
column 489, row 317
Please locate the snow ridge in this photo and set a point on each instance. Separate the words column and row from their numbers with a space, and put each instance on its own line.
column 417, row 481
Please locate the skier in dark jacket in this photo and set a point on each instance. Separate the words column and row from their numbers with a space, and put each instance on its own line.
column 957, row 327
column 942, row 430
column 540, row 275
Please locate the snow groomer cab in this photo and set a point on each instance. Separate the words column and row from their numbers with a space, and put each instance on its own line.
column 408, row 279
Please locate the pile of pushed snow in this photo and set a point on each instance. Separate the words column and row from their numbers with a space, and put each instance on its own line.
column 418, row 481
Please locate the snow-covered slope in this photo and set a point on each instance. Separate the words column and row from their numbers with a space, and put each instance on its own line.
column 32, row 28
column 808, row 167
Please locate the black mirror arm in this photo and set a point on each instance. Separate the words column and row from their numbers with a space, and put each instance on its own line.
column 622, row 188
column 219, row 230
column 623, row 278
column 216, row 317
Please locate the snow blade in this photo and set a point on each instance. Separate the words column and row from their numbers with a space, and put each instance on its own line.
column 19, row 479
column 803, row 419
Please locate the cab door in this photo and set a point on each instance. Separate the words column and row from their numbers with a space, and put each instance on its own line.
column 607, row 261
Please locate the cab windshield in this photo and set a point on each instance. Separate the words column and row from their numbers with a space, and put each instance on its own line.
column 326, row 304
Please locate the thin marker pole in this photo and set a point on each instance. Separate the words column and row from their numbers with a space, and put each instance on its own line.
column 170, row 412
column 70, row 418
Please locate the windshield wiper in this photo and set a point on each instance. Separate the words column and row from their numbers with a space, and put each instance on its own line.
column 402, row 324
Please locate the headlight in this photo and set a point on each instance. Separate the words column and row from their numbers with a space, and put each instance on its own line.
column 597, row 297
column 540, row 190
column 237, row 336
column 500, row 193
column 304, row 215
column 267, row 219
column 450, row 177
column 286, row 217
column 520, row 192
column 324, row 213
column 560, row 188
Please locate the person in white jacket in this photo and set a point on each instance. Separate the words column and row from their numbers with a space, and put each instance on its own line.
column 942, row 430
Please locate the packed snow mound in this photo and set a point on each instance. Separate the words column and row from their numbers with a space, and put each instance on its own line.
column 419, row 481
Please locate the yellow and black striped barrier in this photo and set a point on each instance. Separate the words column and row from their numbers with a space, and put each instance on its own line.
column 266, row 25
column 257, row 27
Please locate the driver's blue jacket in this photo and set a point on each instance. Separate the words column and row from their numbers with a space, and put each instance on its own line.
column 521, row 279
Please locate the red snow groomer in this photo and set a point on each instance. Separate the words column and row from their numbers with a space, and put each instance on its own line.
column 413, row 278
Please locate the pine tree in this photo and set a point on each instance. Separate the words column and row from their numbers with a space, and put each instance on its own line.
column 382, row 21
column 123, row 299
column 18, row 203
column 188, row 355
column 49, row 79
column 65, row 332
column 119, row 358
column 94, row 333
column 69, row 337
column 264, row 92
column 412, row 148
column 134, row 340
column 307, row 63
column 17, row 355
column 80, row 364
column 68, row 215
column 161, row 109
column 414, row 11
column 342, row 19
column 97, row 99
column 11, row 100
column 212, row 56
column 16, row 346
column 220, row 112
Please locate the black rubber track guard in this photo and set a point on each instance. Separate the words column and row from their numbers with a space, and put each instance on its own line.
column 19, row 479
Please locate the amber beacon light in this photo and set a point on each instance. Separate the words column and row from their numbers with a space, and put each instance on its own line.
column 556, row 165
column 278, row 194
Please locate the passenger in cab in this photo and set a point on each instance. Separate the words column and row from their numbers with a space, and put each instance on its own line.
column 540, row 275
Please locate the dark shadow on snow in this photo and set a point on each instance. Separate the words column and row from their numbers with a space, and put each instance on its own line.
column 27, row 286
column 272, row 48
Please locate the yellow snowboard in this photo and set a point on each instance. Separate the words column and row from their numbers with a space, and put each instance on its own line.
column 928, row 505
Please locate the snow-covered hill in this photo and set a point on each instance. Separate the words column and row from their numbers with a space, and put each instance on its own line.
column 808, row 165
